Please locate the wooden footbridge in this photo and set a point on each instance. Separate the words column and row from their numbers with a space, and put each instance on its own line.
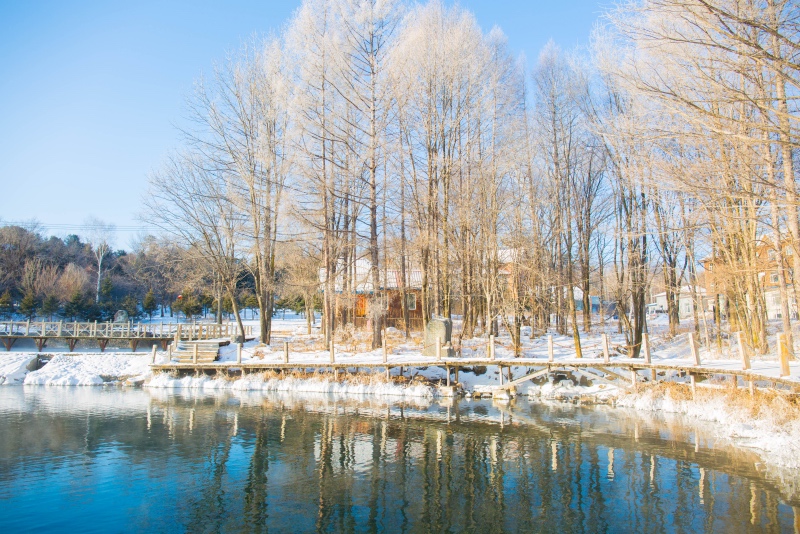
column 134, row 334
column 617, row 371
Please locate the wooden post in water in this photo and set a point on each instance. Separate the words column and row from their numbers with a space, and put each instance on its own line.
column 194, row 353
column 238, row 353
column 154, row 353
column 693, row 347
column 502, row 381
column 333, row 353
column 550, row 347
column 743, row 352
column 633, row 378
column 285, row 352
column 606, row 354
column 491, row 346
column 783, row 354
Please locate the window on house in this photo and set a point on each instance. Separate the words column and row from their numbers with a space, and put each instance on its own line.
column 771, row 254
column 411, row 301
column 774, row 278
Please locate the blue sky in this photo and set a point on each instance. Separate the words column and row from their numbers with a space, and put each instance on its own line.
column 91, row 92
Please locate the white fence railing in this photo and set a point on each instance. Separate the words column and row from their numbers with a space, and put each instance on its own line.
column 121, row 330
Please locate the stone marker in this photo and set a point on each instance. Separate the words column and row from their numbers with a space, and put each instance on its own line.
column 121, row 316
column 442, row 329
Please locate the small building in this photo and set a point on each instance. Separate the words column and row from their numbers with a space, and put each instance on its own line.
column 358, row 298
column 594, row 301
column 686, row 305
column 767, row 264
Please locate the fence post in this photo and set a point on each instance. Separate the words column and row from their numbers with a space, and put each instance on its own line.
column 743, row 352
column 238, row 353
column 692, row 383
column 194, row 353
column 491, row 346
column 154, row 353
column 333, row 353
column 783, row 354
column 385, row 354
column 633, row 378
column 693, row 347
column 285, row 352
column 60, row 326
column 550, row 347
column 438, row 349
column 606, row 355
column 646, row 347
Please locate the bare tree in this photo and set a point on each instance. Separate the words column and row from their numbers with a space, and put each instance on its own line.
column 100, row 236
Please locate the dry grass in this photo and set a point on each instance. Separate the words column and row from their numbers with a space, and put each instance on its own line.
column 764, row 403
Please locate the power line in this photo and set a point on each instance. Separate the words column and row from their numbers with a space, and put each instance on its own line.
column 78, row 227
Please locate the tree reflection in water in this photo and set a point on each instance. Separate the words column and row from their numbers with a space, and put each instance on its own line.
column 133, row 460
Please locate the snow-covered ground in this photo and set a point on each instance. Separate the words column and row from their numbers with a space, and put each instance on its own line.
column 90, row 369
column 770, row 432
column 14, row 367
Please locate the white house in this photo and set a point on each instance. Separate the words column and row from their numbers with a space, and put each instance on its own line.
column 686, row 305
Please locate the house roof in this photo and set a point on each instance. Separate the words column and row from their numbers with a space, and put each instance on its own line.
column 388, row 279
column 685, row 290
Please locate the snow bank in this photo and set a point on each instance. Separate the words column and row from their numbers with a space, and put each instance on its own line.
column 14, row 367
column 291, row 384
column 90, row 369
column 775, row 439
column 568, row 390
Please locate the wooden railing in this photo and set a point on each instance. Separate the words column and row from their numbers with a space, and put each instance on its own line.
column 128, row 330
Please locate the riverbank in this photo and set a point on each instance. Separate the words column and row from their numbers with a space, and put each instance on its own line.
column 768, row 422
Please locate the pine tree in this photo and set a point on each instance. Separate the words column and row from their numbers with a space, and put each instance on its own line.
column 130, row 305
column 190, row 306
column 75, row 306
column 106, row 287
column 6, row 305
column 105, row 305
column 49, row 306
column 28, row 305
column 149, row 303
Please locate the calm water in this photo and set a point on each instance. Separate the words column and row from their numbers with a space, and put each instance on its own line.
column 108, row 460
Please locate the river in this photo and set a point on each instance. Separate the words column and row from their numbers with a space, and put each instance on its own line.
column 130, row 460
